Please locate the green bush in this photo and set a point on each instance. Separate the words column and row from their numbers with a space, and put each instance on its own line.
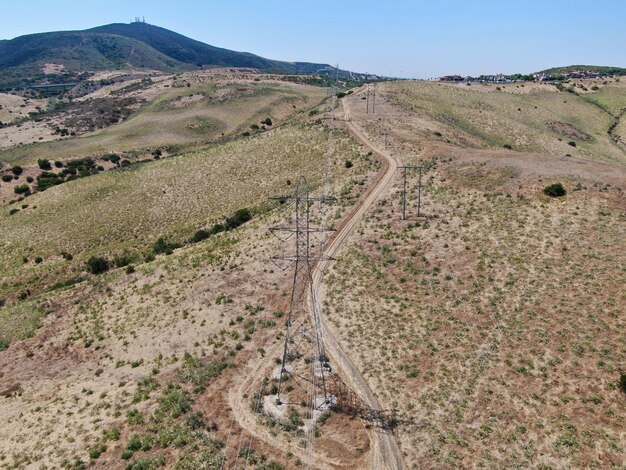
column 200, row 235
column 199, row 372
column 22, row 189
column 97, row 265
column 554, row 190
column 96, row 451
column 123, row 260
column 349, row 164
column 267, row 122
column 572, row 143
column 17, row 170
column 173, row 402
column 44, row 164
column 238, row 218
column 163, row 246
column 7, row 178
column 147, row 463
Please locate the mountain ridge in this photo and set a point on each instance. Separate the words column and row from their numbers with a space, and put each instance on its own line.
column 122, row 45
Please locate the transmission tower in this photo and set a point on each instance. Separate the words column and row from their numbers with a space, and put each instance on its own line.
column 405, row 170
column 304, row 359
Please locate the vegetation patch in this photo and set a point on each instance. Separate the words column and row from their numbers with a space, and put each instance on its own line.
column 19, row 321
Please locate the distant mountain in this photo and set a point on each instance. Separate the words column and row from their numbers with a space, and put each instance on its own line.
column 119, row 46
column 585, row 68
column 190, row 51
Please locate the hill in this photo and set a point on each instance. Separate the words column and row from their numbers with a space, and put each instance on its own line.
column 586, row 68
column 190, row 51
column 56, row 57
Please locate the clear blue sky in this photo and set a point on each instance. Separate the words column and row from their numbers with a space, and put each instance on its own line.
column 416, row 38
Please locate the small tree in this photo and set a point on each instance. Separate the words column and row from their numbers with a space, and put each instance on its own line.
column 238, row 218
column 44, row 164
column 162, row 246
column 97, row 265
column 22, row 189
column 267, row 122
column 17, row 170
column 554, row 190
column 200, row 235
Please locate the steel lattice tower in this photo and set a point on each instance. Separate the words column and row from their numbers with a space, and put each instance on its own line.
column 303, row 358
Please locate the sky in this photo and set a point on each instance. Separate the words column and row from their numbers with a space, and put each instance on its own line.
column 401, row 38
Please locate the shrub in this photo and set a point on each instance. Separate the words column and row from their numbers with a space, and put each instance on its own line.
column 340, row 94
column 96, row 451
column 572, row 143
column 17, row 170
column 58, row 164
column 162, row 246
column 254, row 126
column 97, row 265
column 38, row 259
column 134, row 443
column 200, row 235
column 147, row 463
column 30, row 179
column 238, row 218
column 554, row 190
column 123, row 260
column 22, row 189
column 508, row 147
column 348, row 164
column 44, row 164
column 267, row 122
column 199, row 372
column 217, row 228
column 7, row 178
column 173, row 402
column 622, row 382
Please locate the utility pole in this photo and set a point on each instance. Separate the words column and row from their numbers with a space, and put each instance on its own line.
column 374, row 99
column 405, row 170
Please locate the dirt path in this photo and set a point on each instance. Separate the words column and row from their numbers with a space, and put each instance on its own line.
column 385, row 453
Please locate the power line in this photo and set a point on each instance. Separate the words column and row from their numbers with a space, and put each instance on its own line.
column 405, row 170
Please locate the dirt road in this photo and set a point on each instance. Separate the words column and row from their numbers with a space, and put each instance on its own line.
column 385, row 451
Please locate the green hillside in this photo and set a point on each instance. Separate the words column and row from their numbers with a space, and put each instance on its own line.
column 119, row 46
column 586, row 68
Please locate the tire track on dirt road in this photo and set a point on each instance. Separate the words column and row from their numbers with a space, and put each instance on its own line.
column 385, row 452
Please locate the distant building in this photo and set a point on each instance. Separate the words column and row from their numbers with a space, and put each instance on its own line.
column 451, row 78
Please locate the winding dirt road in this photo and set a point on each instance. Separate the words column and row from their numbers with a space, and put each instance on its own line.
column 385, row 451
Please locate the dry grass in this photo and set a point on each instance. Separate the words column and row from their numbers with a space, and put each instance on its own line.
column 215, row 299
column 494, row 326
column 128, row 209
column 492, row 118
column 170, row 119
